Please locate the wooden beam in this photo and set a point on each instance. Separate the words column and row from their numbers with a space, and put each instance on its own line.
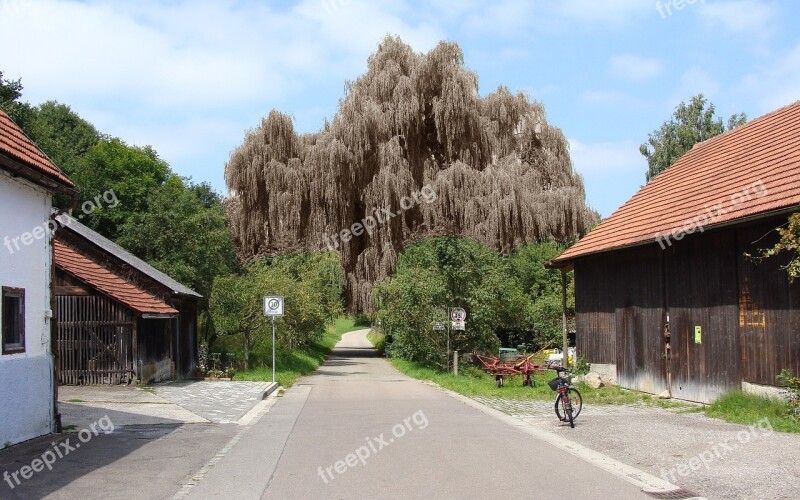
column 72, row 290
column 565, row 337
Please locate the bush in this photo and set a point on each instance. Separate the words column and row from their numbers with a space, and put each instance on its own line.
column 792, row 384
column 581, row 366
column 513, row 299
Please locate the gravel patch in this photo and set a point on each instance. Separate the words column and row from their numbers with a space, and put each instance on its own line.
column 707, row 456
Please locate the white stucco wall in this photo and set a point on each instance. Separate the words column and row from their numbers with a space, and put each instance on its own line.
column 26, row 379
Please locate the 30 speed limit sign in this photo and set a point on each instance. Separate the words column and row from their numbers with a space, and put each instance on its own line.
column 273, row 306
column 458, row 314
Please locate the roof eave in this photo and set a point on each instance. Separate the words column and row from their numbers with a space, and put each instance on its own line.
column 19, row 169
column 569, row 262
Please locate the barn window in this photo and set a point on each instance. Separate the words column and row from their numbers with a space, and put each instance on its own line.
column 13, row 320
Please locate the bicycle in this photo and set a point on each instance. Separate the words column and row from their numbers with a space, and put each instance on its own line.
column 569, row 403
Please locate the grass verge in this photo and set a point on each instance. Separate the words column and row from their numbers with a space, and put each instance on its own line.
column 734, row 407
column 293, row 364
column 473, row 382
column 740, row 408
column 378, row 340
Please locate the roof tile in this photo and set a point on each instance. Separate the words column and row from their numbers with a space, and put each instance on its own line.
column 107, row 282
column 751, row 170
column 14, row 143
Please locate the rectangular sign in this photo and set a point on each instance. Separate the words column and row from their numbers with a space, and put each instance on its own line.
column 273, row 305
column 698, row 335
column 458, row 325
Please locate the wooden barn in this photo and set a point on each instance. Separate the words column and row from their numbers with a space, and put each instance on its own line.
column 666, row 296
column 119, row 319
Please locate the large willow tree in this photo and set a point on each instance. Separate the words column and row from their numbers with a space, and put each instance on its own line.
column 501, row 174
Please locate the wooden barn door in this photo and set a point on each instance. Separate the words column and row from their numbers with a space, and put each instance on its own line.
column 702, row 300
column 640, row 321
column 94, row 341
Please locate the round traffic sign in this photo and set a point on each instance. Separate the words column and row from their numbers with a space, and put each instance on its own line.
column 458, row 314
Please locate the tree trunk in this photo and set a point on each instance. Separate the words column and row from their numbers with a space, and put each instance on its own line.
column 246, row 337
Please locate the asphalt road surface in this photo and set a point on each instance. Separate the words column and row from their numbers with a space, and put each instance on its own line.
column 358, row 428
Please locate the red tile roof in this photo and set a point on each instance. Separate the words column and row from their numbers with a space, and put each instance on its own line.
column 15, row 144
column 107, row 282
column 749, row 171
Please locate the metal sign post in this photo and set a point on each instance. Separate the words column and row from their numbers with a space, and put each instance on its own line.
column 273, row 306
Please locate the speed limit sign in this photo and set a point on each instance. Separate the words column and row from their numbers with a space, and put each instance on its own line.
column 273, row 306
column 458, row 314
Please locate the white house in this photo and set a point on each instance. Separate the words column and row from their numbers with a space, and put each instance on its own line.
column 28, row 179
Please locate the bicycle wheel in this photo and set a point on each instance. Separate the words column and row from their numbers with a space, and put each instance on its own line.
column 564, row 410
column 576, row 402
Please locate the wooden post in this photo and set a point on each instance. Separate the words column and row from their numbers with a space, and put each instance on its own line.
column 565, row 352
column 455, row 362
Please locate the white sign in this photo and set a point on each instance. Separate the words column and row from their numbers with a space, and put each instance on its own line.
column 273, row 306
column 458, row 325
column 439, row 326
column 458, row 314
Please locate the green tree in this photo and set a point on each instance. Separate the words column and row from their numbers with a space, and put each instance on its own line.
column 10, row 93
column 10, row 90
column 236, row 306
column 183, row 235
column 543, row 287
column 443, row 272
column 690, row 123
column 62, row 134
column 131, row 173
column 789, row 243
column 322, row 271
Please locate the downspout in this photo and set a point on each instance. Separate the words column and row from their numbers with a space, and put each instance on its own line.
column 54, row 317
column 53, row 337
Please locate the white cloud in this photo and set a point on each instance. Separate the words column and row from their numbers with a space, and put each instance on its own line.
column 695, row 81
column 775, row 85
column 635, row 68
column 607, row 157
column 739, row 16
column 204, row 53
column 185, row 76
column 603, row 12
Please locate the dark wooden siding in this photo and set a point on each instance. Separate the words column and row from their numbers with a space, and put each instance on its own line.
column 748, row 312
column 595, row 314
column 701, row 292
column 640, row 319
column 94, row 340
column 768, row 310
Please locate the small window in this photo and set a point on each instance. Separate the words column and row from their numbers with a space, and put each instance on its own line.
column 13, row 320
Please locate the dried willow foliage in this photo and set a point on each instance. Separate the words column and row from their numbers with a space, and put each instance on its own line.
column 502, row 174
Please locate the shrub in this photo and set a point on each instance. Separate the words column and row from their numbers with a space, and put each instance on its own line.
column 792, row 384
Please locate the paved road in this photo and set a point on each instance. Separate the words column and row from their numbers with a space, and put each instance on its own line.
column 357, row 428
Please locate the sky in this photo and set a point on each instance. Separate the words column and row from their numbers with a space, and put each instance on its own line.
column 190, row 78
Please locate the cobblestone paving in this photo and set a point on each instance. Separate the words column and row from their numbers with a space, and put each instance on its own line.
column 219, row 402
